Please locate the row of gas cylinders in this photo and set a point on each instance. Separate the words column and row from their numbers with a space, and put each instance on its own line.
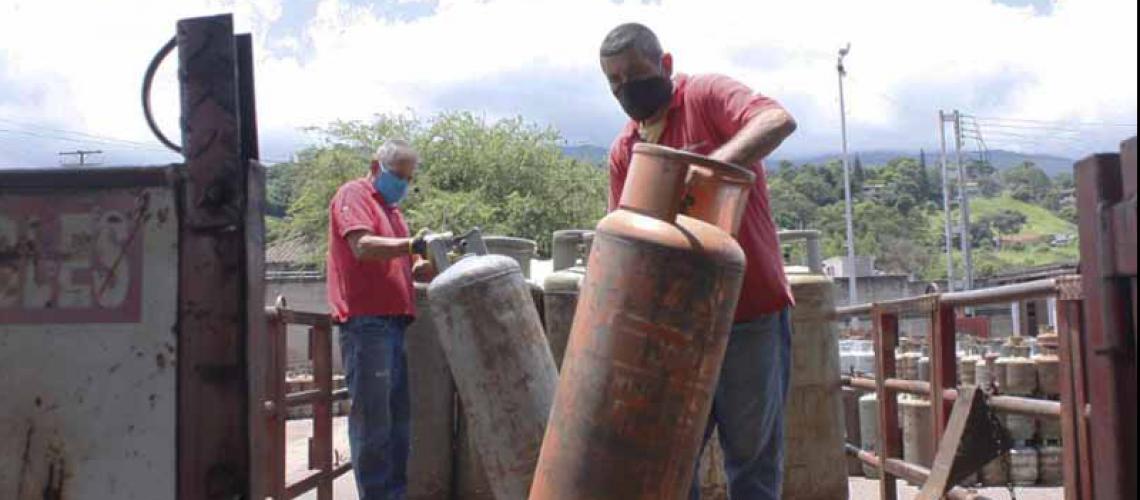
column 1034, row 458
column 599, row 384
column 1028, row 462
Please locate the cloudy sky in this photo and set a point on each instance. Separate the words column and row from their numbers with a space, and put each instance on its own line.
column 1051, row 76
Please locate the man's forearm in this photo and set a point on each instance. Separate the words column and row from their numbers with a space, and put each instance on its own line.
column 758, row 139
column 369, row 247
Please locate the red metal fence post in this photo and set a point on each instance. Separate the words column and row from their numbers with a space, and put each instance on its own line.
column 886, row 330
column 321, row 457
column 1112, row 356
column 943, row 365
column 1074, row 426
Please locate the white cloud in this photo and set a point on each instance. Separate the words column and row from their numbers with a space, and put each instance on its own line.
column 909, row 59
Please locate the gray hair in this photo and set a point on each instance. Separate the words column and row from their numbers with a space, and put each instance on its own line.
column 392, row 150
column 632, row 36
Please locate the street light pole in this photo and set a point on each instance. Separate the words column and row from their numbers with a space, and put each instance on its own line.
column 852, row 273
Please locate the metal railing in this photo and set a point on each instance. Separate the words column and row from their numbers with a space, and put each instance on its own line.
column 942, row 311
column 324, row 465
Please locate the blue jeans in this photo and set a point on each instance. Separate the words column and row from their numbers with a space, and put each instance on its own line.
column 748, row 409
column 376, row 372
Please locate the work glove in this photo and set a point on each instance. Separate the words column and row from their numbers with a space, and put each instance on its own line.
column 418, row 245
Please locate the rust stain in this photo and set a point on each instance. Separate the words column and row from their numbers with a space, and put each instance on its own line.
column 26, row 459
column 53, row 488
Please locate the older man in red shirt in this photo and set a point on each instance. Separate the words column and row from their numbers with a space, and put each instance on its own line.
column 371, row 263
column 719, row 117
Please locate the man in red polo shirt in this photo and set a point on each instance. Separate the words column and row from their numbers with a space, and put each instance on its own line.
column 716, row 116
column 371, row 296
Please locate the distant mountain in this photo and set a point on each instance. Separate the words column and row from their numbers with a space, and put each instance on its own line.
column 1001, row 159
column 587, row 152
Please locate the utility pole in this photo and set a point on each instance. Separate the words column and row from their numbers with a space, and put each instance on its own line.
column 852, row 273
column 82, row 154
column 946, row 205
column 964, row 202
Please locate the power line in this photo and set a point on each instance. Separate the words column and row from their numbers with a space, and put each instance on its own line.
column 54, row 137
column 1044, row 122
column 56, row 133
column 1003, row 126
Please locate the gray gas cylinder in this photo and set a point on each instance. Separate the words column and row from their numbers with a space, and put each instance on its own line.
column 869, row 429
column 505, row 375
column 520, row 249
column 433, row 407
column 560, row 289
column 813, row 421
column 560, row 300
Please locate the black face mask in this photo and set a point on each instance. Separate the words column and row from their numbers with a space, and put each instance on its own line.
column 641, row 99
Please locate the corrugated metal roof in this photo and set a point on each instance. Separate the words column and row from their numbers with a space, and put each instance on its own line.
column 289, row 252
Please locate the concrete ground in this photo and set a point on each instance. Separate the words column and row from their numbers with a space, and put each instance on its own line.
column 868, row 489
column 297, row 434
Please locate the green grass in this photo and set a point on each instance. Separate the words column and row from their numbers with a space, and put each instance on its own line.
column 1041, row 222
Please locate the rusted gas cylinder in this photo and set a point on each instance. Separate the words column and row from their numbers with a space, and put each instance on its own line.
column 431, row 460
column 813, row 421
column 648, row 339
column 560, row 288
column 492, row 336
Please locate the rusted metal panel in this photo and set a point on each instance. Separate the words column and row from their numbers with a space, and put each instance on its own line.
column 214, row 434
column 1112, row 360
column 88, row 348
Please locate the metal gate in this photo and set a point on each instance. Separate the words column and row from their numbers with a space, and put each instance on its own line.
column 130, row 299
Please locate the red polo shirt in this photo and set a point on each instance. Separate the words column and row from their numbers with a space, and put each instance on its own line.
column 706, row 112
column 366, row 288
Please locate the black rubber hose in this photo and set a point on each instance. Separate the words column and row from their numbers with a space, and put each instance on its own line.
column 147, row 80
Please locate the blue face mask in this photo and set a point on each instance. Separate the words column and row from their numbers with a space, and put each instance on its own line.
column 391, row 187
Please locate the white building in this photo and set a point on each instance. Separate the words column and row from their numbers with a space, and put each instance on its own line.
column 836, row 267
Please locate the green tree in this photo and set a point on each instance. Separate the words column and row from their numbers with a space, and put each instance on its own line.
column 507, row 177
column 1006, row 221
column 906, row 184
column 984, row 174
column 1028, row 183
column 790, row 208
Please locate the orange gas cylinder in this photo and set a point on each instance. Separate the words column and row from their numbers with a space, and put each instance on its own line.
column 649, row 336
